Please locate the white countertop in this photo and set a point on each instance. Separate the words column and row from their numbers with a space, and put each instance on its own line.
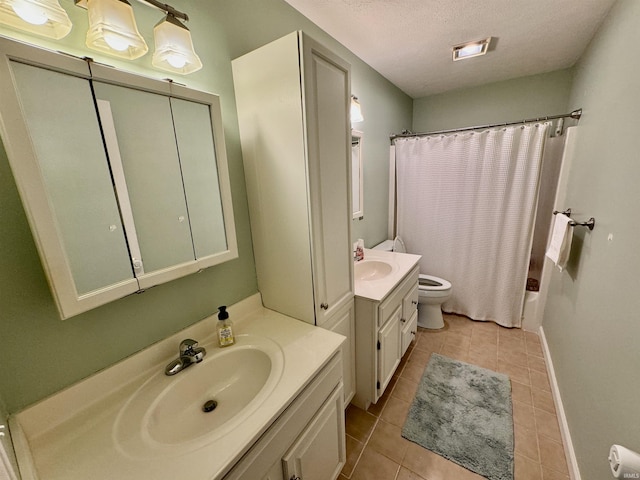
column 377, row 290
column 70, row 435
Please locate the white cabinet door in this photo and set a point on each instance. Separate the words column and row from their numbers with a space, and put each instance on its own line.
column 54, row 144
column 316, row 455
column 152, row 171
column 389, row 350
column 203, row 186
column 327, row 96
column 275, row 472
column 344, row 324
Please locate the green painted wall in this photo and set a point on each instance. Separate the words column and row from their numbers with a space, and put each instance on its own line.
column 591, row 319
column 39, row 353
column 510, row 100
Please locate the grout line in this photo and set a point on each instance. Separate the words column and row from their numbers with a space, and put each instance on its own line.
column 358, row 459
column 535, row 423
column 366, row 441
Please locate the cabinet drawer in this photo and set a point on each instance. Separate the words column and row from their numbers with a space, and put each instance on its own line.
column 409, row 331
column 396, row 297
column 410, row 302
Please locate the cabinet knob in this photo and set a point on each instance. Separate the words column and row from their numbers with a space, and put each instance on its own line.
column 324, row 306
column 402, row 320
column 295, row 477
column 413, row 333
column 414, row 302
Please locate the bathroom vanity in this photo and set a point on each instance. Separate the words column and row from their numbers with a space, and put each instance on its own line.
column 386, row 289
column 276, row 417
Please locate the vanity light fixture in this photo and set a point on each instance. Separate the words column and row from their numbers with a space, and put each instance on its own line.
column 174, row 48
column 470, row 49
column 42, row 17
column 356, row 110
column 113, row 30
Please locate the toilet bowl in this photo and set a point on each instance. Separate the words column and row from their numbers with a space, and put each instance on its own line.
column 432, row 291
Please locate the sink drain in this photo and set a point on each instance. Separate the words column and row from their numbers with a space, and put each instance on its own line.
column 209, row 406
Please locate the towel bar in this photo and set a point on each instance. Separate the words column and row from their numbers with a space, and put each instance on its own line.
column 589, row 223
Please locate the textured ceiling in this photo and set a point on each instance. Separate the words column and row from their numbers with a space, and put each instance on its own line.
column 409, row 41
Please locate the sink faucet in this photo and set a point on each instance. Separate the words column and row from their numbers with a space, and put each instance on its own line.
column 190, row 353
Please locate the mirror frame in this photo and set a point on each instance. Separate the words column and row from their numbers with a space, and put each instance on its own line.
column 357, row 184
column 32, row 186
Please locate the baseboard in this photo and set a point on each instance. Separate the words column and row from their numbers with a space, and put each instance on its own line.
column 572, row 461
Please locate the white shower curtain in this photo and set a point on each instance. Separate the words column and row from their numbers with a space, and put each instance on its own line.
column 466, row 203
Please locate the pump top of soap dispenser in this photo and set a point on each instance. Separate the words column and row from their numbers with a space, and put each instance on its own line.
column 222, row 313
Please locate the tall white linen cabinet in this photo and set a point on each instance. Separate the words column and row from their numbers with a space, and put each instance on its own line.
column 293, row 98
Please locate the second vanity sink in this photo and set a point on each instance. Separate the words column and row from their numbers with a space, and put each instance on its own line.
column 380, row 271
column 368, row 270
column 201, row 403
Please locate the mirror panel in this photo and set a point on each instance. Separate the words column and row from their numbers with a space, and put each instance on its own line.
column 194, row 136
column 357, row 174
column 78, row 185
column 149, row 154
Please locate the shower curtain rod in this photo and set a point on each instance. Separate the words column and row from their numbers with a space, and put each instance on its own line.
column 576, row 114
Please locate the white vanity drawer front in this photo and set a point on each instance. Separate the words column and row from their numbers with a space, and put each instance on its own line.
column 410, row 302
column 409, row 332
column 397, row 297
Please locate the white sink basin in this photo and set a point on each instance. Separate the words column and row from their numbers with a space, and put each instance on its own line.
column 368, row 270
column 167, row 412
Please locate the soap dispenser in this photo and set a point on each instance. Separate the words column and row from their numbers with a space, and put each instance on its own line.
column 225, row 328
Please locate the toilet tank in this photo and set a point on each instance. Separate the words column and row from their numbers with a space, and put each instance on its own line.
column 387, row 246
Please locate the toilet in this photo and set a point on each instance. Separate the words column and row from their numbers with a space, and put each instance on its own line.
column 433, row 291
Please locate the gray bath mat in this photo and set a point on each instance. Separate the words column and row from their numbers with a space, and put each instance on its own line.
column 464, row 413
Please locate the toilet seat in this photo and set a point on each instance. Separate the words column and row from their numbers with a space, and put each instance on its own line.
column 430, row 283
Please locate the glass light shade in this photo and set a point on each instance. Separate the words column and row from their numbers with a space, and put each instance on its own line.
column 113, row 30
column 174, row 48
column 356, row 111
column 42, row 17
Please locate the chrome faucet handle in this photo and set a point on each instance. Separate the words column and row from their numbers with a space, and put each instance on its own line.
column 187, row 346
column 190, row 353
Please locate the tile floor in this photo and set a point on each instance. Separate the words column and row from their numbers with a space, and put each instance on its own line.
column 377, row 451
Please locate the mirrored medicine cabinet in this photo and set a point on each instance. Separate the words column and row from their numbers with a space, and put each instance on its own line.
column 357, row 180
column 124, row 178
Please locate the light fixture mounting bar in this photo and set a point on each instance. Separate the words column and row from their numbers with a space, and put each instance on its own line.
column 168, row 9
